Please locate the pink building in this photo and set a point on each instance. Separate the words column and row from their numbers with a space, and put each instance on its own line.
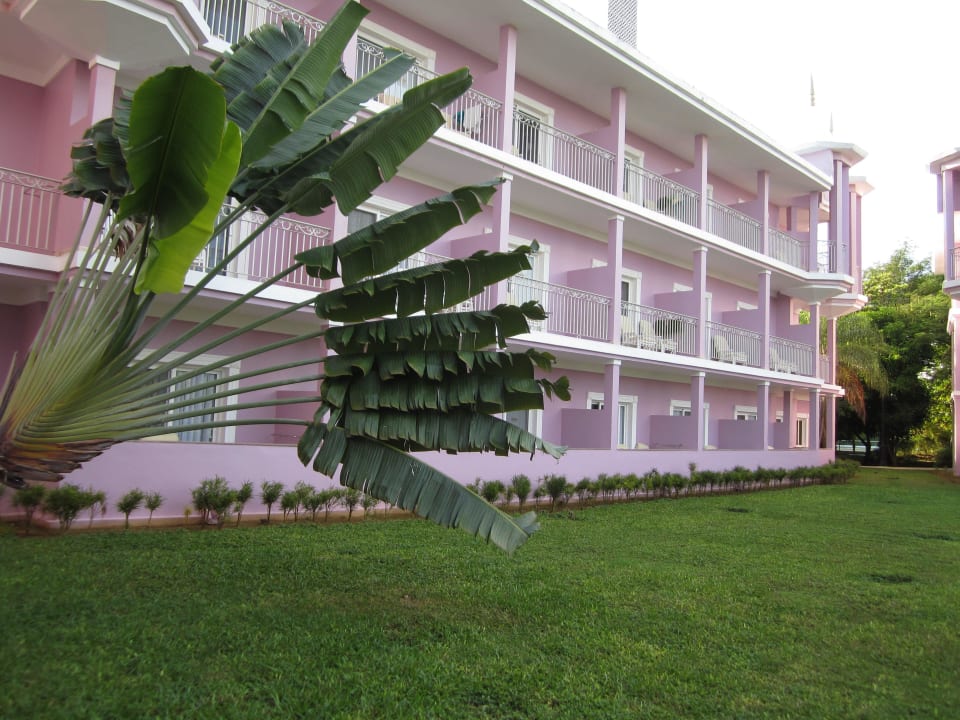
column 947, row 170
column 685, row 259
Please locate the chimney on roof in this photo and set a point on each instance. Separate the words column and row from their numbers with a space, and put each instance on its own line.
column 622, row 20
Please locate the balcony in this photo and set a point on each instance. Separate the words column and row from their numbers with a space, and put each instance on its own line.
column 573, row 312
column 230, row 20
column 733, row 345
column 562, row 152
column 656, row 192
column 650, row 328
column 28, row 206
column 734, row 226
column 272, row 251
column 788, row 249
column 789, row 356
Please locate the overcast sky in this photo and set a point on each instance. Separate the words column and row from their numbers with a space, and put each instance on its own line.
column 887, row 73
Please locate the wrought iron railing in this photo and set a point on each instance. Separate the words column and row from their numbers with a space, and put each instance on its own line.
column 230, row 20
column 272, row 251
column 734, row 226
column 570, row 311
column 953, row 267
column 482, row 301
column 28, row 204
column 562, row 152
column 790, row 356
column 788, row 249
column 731, row 344
column 656, row 192
column 473, row 114
column 650, row 328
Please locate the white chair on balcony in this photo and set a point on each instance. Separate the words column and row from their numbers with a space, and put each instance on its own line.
column 723, row 352
column 779, row 364
column 648, row 339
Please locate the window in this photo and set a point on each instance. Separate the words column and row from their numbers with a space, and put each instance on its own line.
column 373, row 40
column 529, row 420
column 745, row 412
column 530, row 284
column 373, row 211
column 529, row 141
column 632, row 177
column 626, row 417
column 199, row 400
column 803, row 422
column 682, row 408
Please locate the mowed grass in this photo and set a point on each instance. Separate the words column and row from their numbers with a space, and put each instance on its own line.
column 823, row 602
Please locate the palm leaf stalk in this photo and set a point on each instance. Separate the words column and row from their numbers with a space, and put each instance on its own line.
column 279, row 127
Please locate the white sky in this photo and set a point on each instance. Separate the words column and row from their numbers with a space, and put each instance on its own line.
column 886, row 71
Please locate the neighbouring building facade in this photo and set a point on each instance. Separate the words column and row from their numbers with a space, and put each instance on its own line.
column 686, row 261
column 947, row 170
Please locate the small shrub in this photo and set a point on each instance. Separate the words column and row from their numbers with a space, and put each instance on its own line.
column 290, row 503
column 152, row 501
column 521, row 488
column 244, row 494
column 270, row 492
column 331, row 498
column 128, row 503
column 65, row 503
column 214, row 499
column 491, row 491
column 313, row 502
column 368, row 502
column 351, row 498
column 555, row 486
column 97, row 502
column 29, row 498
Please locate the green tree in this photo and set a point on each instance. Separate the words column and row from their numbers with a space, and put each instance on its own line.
column 909, row 310
column 279, row 127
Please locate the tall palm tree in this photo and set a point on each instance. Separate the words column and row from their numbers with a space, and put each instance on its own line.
column 860, row 347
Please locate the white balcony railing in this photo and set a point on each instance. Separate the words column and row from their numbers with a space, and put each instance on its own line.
column 230, row 20
column 788, row 249
column 733, row 345
column 790, row 356
column 28, row 204
column 824, row 367
column 734, row 226
column 953, row 266
column 269, row 253
column 570, row 311
column 650, row 328
column 656, row 192
column 473, row 114
column 826, row 257
column 562, row 152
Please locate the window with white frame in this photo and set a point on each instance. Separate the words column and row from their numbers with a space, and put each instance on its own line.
column 803, row 425
column 529, row 141
column 626, row 417
column 683, row 408
column 529, row 420
column 374, row 210
column 745, row 412
column 200, row 400
column 632, row 177
column 530, row 284
column 372, row 42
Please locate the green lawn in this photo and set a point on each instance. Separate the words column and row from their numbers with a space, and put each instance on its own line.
column 824, row 602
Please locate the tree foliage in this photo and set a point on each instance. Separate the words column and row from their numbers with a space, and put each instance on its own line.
column 279, row 127
column 909, row 310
